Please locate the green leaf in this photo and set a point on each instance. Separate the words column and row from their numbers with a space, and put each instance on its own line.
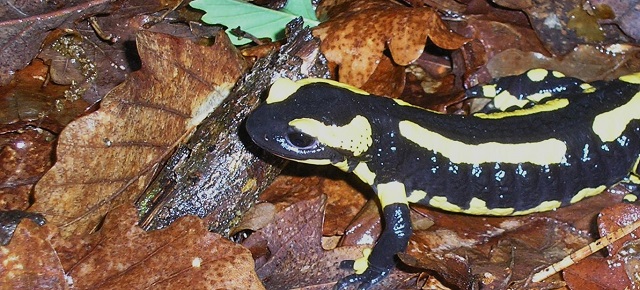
column 256, row 20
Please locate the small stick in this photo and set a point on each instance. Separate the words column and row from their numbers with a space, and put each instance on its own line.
column 584, row 252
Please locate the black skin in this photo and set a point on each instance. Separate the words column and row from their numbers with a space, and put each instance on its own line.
column 420, row 169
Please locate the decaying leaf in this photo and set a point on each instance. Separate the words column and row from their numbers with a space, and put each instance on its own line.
column 562, row 25
column 30, row 261
column 356, row 38
column 107, row 156
column 184, row 255
column 585, row 62
column 295, row 257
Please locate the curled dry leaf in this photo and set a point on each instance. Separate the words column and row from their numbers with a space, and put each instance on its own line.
column 355, row 39
column 107, row 156
column 183, row 256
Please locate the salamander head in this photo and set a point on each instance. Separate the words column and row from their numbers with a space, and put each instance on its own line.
column 311, row 121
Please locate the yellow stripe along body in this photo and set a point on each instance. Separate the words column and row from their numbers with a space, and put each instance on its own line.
column 586, row 138
column 501, row 164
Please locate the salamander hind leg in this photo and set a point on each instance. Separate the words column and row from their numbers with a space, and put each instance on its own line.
column 394, row 238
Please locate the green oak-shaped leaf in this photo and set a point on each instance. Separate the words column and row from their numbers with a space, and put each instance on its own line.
column 256, row 20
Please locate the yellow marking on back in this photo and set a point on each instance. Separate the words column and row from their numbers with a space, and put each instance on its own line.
column 550, row 151
column 551, row 105
column 489, row 91
column 312, row 161
column 538, row 74
column 630, row 197
column 403, row 103
column 307, row 81
column 281, row 90
column 442, row 203
column 416, row 196
column 610, row 125
column 479, row 207
column 587, row 88
column 342, row 165
column 364, row 173
column 537, row 97
column 505, row 100
column 587, row 192
column 557, row 74
column 354, row 137
column 392, row 192
column 543, row 206
column 476, row 207
column 632, row 78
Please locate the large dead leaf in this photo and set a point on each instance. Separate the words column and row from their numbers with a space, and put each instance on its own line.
column 182, row 256
column 108, row 155
column 288, row 250
column 356, row 43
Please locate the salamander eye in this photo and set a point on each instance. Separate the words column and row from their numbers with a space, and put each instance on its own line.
column 301, row 140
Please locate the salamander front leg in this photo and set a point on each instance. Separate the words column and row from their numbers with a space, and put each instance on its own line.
column 378, row 264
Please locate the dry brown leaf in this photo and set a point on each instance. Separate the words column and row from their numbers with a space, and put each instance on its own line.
column 29, row 261
column 295, row 257
column 356, row 39
column 585, row 62
column 182, row 256
column 108, row 156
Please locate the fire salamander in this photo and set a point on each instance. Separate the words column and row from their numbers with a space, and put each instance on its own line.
column 579, row 139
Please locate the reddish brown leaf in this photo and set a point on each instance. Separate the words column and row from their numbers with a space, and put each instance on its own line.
column 356, row 43
column 615, row 217
column 596, row 273
column 29, row 261
column 295, row 257
column 108, row 156
column 344, row 201
column 563, row 25
column 184, row 255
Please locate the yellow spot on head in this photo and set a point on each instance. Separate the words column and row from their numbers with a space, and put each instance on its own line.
column 364, row 173
column 557, row 74
column 392, row 192
column 537, row 74
column 281, row 90
column 361, row 264
column 587, row 192
column 505, row 100
column 416, row 196
column 610, row 125
column 632, row 78
column 543, row 206
column 546, row 107
column 354, row 137
column 489, row 91
column 550, row 151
